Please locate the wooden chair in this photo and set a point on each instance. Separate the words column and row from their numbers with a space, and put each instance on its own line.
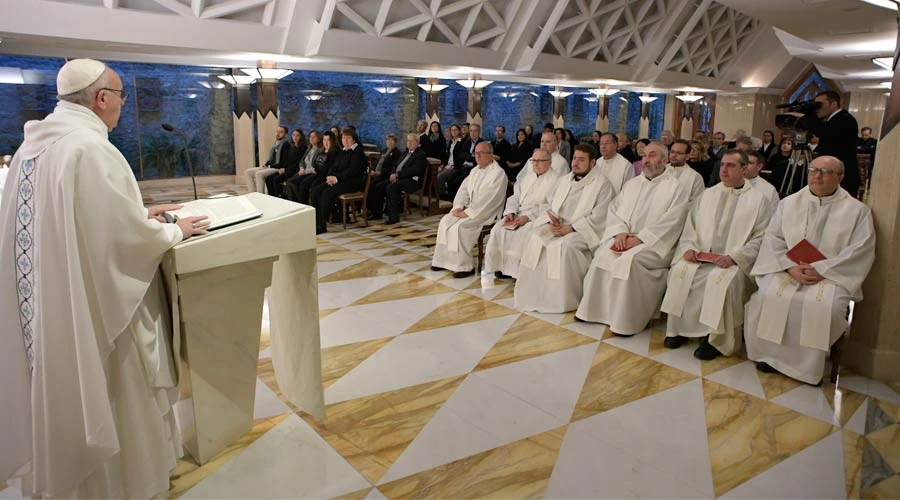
column 420, row 194
column 864, row 164
column 349, row 200
column 485, row 230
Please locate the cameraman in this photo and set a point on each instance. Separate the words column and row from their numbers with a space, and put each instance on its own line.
column 837, row 130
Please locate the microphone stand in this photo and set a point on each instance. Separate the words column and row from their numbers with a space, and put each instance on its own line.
column 169, row 128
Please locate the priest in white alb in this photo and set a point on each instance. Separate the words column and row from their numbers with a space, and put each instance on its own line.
column 527, row 203
column 558, row 163
column 800, row 309
column 479, row 201
column 559, row 250
column 87, row 367
column 709, row 281
column 613, row 165
column 756, row 163
column 627, row 278
column 678, row 167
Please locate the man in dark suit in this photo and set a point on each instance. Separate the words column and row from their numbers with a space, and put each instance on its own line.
column 406, row 178
column 837, row 130
column 501, row 145
column 347, row 175
column 464, row 159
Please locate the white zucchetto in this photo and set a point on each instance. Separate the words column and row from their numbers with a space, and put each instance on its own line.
column 78, row 74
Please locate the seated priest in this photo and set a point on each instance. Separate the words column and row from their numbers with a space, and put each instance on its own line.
column 527, row 203
column 814, row 257
column 709, row 282
column 558, row 163
column 558, row 252
column 405, row 178
column 478, row 201
column 678, row 167
column 756, row 163
column 627, row 278
column 613, row 165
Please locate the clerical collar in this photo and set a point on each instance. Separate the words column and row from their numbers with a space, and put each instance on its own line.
column 739, row 187
column 827, row 197
column 578, row 177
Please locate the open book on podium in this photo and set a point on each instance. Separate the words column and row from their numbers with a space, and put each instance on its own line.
column 222, row 211
column 216, row 286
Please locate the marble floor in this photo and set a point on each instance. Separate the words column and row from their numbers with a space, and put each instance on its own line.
column 438, row 388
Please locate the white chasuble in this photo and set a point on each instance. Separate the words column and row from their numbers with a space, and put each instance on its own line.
column 529, row 199
column 618, row 170
column 481, row 196
column 558, row 164
column 624, row 290
column 768, row 190
column 791, row 326
column 702, row 299
column 689, row 178
column 552, row 268
column 87, row 370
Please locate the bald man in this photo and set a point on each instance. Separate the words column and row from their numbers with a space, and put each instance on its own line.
column 558, row 164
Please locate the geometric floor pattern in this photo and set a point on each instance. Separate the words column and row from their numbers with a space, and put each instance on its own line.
column 438, row 388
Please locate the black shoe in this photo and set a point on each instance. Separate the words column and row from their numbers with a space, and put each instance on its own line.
column 706, row 352
column 765, row 367
column 674, row 342
column 580, row 320
column 463, row 274
column 500, row 276
column 617, row 334
column 436, row 268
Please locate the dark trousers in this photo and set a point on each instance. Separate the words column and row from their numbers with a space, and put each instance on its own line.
column 395, row 200
column 274, row 183
column 376, row 198
column 324, row 197
column 297, row 188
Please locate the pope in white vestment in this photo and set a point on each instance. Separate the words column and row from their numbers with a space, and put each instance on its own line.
column 627, row 278
column 800, row 310
column 707, row 298
column 478, row 202
column 613, row 165
column 527, row 203
column 556, row 256
column 87, row 369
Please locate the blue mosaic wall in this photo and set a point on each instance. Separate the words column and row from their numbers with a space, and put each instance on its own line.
column 656, row 113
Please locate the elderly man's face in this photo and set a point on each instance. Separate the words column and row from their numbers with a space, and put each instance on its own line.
column 826, row 176
column 654, row 161
column 678, row 154
column 667, row 138
column 731, row 171
column 483, row 154
column 540, row 162
column 608, row 147
column 412, row 142
column 548, row 142
column 582, row 163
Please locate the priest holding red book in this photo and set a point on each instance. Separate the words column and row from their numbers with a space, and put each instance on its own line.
column 800, row 309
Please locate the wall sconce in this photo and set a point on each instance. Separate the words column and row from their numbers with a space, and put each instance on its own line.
column 603, row 92
column 559, row 93
column 689, row 97
column 474, row 82
column 267, row 73
column 647, row 98
column 432, row 85
column 237, row 80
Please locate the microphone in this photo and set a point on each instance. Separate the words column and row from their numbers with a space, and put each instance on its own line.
column 169, row 128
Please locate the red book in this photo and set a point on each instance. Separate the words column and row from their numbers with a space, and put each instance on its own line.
column 805, row 253
column 707, row 256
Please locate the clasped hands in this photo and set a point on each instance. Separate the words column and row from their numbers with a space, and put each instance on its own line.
column 557, row 228
column 331, row 180
column 515, row 221
column 460, row 212
column 723, row 261
column 805, row 274
column 625, row 241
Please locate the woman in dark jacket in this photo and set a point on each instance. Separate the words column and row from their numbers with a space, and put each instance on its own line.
column 300, row 186
column 436, row 146
column 699, row 160
column 275, row 183
column 518, row 154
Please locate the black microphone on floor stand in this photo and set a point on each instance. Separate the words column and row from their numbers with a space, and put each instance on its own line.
column 169, row 128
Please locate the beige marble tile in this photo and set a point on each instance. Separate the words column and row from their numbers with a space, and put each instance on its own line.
column 657, row 337
column 748, row 435
column 325, row 312
column 409, row 286
column 887, row 489
column 359, row 241
column 397, row 251
column 365, row 269
column 338, row 360
column 264, row 340
column 517, row 470
column 438, row 275
column 893, row 410
column 853, row 450
column 373, row 431
column 336, row 253
column 893, row 385
column 356, row 495
column 618, row 377
column 887, row 442
column 720, row 363
column 461, row 308
column 529, row 337
column 187, row 473
column 509, row 293
column 776, row 384
column 568, row 319
column 428, row 242
column 413, row 236
column 843, row 401
column 413, row 258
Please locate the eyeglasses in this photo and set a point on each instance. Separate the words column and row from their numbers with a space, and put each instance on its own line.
column 122, row 94
column 484, row 153
column 533, row 160
column 824, row 171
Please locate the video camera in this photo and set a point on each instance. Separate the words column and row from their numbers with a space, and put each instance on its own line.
column 785, row 120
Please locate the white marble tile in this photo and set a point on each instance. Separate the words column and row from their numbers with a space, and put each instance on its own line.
column 593, row 330
column 816, row 472
column 460, row 283
column 267, row 404
column 326, row 268
column 510, row 302
column 856, row 383
column 655, row 447
column 394, row 259
column 882, row 391
column 335, row 294
column 429, row 274
column 638, row 343
column 289, row 461
column 375, row 252
column 421, row 357
column 478, row 417
column 265, row 353
column 357, row 247
column 808, row 400
column 555, row 319
column 742, row 377
column 375, row 494
column 857, row 423
column 410, row 266
column 551, row 382
column 374, row 321
column 487, row 292
column 682, row 359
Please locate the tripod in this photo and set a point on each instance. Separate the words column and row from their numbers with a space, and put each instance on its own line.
column 795, row 177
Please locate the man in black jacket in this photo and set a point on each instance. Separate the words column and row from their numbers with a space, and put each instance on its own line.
column 347, row 175
column 406, row 178
column 837, row 130
column 464, row 159
column 501, row 145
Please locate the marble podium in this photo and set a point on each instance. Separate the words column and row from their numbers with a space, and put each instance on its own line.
column 216, row 285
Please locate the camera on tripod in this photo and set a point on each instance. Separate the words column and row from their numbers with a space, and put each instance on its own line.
column 786, row 120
